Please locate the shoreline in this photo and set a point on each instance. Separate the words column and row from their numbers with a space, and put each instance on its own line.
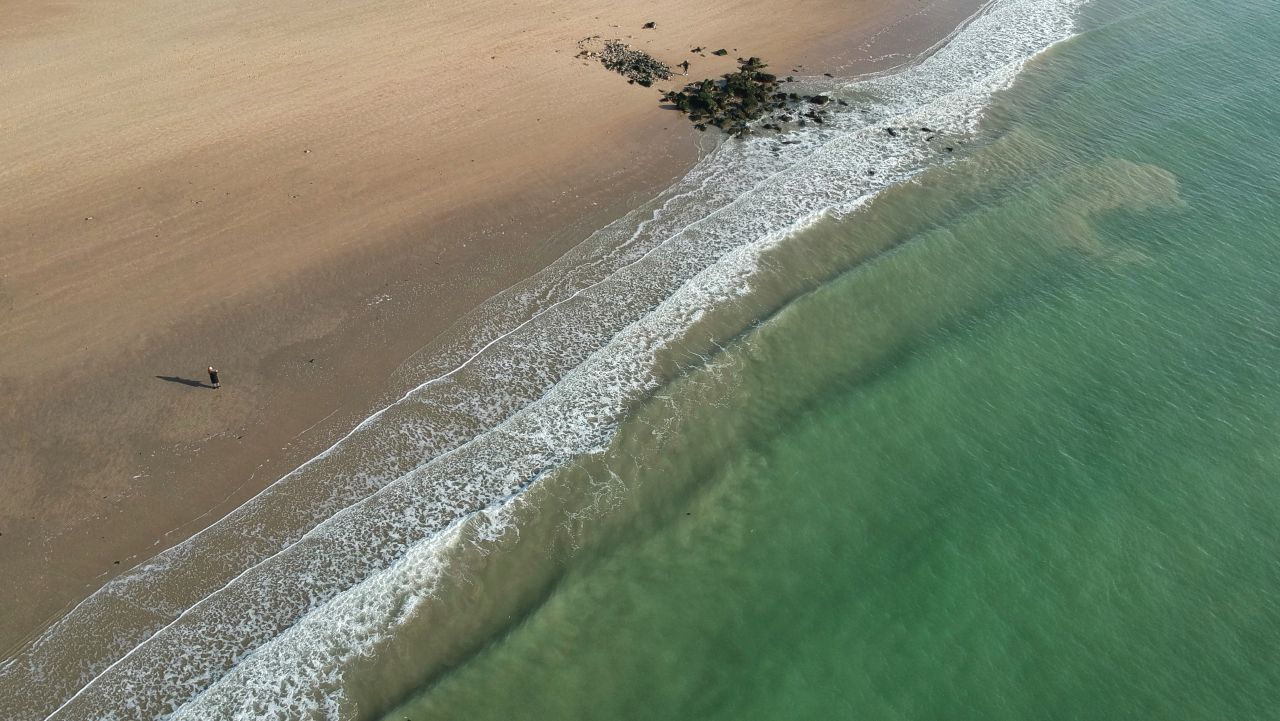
column 398, row 614
column 300, row 410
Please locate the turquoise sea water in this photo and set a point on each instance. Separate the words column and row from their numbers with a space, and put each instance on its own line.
column 1022, row 465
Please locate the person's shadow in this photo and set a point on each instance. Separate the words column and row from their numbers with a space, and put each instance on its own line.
column 185, row 381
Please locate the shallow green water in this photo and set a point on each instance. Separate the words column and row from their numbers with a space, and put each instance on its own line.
column 1023, row 466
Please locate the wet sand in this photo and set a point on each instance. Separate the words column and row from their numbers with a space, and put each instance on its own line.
column 302, row 196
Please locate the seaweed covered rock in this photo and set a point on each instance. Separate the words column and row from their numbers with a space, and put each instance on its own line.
column 735, row 99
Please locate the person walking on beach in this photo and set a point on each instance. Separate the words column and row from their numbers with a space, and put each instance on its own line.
column 213, row 377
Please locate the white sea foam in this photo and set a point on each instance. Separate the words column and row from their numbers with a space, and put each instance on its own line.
column 260, row 615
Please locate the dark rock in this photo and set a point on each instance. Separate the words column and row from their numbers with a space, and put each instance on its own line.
column 892, row 133
column 732, row 101
column 649, row 25
column 949, row 148
column 721, row 52
column 829, row 75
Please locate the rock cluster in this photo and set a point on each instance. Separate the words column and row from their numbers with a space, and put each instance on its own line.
column 737, row 98
column 731, row 102
column 636, row 66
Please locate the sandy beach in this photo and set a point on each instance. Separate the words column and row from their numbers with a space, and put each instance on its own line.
column 304, row 196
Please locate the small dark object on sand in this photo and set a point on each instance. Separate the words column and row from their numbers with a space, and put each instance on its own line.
column 649, row 25
column 892, row 133
column 685, row 67
column 213, row 377
column 829, row 75
column 871, row 172
column 721, row 52
column 949, row 148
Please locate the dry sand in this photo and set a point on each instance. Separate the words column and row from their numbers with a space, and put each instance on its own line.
column 302, row 194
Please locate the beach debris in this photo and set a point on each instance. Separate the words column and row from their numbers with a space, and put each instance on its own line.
column 829, row 75
column 649, row 25
column 697, row 50
column 721, row 52
column 636, row 66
